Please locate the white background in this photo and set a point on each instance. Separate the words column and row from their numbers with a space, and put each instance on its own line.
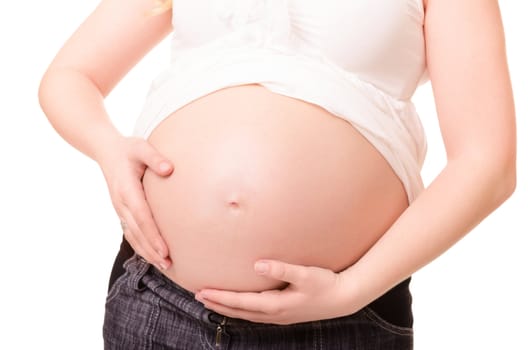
column 59, row 233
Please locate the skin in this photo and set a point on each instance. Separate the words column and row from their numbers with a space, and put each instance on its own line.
column 475, row 107
column 220, row 212
column 473, row 95
column 90, row 68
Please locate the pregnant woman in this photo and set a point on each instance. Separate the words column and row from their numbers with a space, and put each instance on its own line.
column 270, row 195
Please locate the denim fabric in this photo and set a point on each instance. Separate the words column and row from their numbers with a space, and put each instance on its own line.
column 146, row 310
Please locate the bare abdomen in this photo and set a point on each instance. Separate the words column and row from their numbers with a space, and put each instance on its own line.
column 262, row 175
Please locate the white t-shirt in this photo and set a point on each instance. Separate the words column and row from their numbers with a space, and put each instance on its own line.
column 361, row 60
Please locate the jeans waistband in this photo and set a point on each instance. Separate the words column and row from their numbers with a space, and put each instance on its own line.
column 145, row 275
column 395, row 305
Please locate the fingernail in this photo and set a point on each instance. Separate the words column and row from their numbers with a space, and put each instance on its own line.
column 261, row 267
column 164, row 166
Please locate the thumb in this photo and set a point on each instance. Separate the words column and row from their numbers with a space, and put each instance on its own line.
column 294, row 274
column 154, row 160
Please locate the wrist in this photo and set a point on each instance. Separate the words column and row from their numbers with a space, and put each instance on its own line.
column 361, row 284
column 109, row 144
column 348, row 293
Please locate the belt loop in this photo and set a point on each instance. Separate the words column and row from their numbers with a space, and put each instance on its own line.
column 138, row 267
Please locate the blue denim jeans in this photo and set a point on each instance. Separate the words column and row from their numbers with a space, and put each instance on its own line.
column 147, row 310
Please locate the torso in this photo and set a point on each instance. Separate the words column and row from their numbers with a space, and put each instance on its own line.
column 262, row 175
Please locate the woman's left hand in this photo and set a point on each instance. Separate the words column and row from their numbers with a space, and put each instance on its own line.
column 313, row 293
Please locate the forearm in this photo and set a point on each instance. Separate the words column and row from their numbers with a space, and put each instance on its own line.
column 458, row 199
column 75, row 108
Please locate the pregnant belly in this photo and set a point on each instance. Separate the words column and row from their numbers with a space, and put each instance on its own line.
column 262, row 175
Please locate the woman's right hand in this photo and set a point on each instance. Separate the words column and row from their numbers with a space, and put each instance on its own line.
column 123, row 167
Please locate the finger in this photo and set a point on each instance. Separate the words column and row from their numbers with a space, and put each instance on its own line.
column 131, row 238
column 154, row 160
column 294, row 274
column 253, row 316
column 138, row 234
column 262, row 302
column 140, row 210
column 134, row 238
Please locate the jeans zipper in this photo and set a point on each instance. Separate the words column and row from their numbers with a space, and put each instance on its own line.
column 219, row 329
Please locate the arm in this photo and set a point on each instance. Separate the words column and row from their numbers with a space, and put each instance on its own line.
column 473, row 94
column 90, row 64
column 470, row 79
